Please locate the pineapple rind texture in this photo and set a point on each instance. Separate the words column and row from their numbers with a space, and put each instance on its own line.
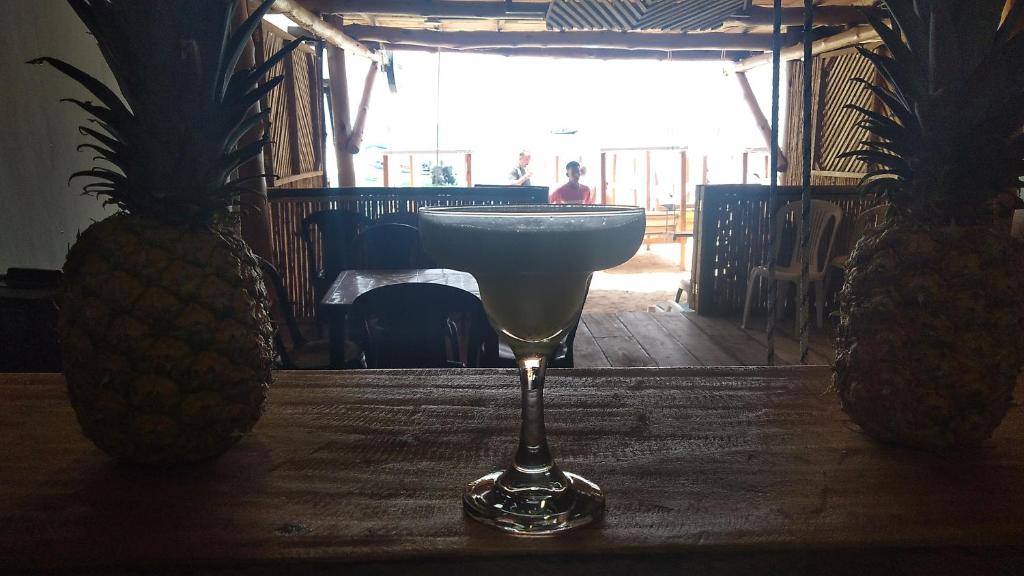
column 166, row 338
column 931, row 340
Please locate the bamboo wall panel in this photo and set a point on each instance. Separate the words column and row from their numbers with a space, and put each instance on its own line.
column 731, row 236
column 294, row 155
column 289, row 207
column 279, row 150
column 835, row 127
column 306, row 124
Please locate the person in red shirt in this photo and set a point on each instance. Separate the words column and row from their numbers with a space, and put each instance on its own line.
column 572, row 192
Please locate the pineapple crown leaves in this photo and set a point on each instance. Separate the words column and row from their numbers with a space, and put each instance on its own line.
column 172, row 134
column 953, row 89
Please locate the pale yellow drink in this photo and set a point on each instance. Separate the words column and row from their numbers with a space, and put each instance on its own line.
column 532, row 263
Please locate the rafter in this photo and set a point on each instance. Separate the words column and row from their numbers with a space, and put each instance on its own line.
column 619, row 40
column 314, row 25
column 589, row 53
column 429, row 9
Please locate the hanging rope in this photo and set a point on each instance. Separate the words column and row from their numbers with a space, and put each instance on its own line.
column 805, row 195
column 773, row 188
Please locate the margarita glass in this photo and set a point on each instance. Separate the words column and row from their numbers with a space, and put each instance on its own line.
column 533, row 265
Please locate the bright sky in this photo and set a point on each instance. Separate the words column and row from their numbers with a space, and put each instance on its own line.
column 495, row 105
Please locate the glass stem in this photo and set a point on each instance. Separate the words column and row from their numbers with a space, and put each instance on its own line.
column 533, row 455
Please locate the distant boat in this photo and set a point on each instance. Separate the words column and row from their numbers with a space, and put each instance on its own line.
column 564, row 131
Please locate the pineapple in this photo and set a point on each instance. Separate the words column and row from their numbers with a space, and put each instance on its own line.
column 931, row 333
column 164, row 325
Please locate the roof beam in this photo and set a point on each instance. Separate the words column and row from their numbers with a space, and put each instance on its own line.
column 852, row 37
column 429, row 9
column 588, row 53
column 314, row 25
column 619, row 40
column 823, row 16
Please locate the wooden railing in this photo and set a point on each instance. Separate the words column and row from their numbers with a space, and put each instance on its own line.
column 288, row 208
column 731, row 236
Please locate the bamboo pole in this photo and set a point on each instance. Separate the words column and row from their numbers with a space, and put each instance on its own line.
column 355, row 139
column 851, row 37
column 321, row 29
column 586, row 39
column 762, row 123
column 589, row 53
column 823, row 16
column 432, row 9
column 469, row 169
column 342, row 118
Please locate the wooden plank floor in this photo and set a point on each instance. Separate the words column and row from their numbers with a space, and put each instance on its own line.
column 628, row 339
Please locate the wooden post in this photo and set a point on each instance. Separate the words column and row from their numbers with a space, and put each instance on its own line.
column 317, row 83
column 615, row 176
column 342, row 118
column 557, row 173
column 412, row 172
column 255, row 221
column 746, row 160
column 386, row 171
column 762, row 123
column 355, row 139
column 684, row 201
column 647, row 179
column 469, row 169
column 604, row 179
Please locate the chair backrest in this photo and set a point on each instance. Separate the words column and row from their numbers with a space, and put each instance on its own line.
column 415, row 325
column 338, row 230
column 825, row 220
column 389, row 246
column 282, row 310
column 410, row 218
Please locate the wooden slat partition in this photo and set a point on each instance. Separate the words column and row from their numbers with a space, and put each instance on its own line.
column 289, row 206
column 731, row 237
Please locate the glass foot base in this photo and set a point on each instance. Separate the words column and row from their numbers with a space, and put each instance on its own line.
column 534, row 512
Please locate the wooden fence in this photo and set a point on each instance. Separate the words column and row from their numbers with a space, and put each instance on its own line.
column 731, row 238
column 288, row 208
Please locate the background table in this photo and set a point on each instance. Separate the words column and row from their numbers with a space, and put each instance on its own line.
column 351, row 284
column 746, row 471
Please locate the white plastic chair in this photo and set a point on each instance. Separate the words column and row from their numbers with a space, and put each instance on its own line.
column 822, row 213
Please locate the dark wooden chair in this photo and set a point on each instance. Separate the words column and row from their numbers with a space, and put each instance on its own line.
column 419, row 326
column 390, row 246
column 294, row 350
column 337, row 231
column 28, row 320
column 408, row 218
column 501, row 356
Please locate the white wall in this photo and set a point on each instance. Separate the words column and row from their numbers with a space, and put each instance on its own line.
column 39, row 213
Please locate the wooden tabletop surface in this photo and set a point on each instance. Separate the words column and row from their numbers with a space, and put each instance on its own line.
column 350, row 284
column 714, row 470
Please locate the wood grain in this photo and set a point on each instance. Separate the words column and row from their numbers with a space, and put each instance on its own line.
column 722, row 470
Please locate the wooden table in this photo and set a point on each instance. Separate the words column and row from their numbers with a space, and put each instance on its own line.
column 721, row 471
column 351, row 284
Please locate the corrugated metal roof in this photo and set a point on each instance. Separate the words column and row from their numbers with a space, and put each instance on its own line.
column 641, row 15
